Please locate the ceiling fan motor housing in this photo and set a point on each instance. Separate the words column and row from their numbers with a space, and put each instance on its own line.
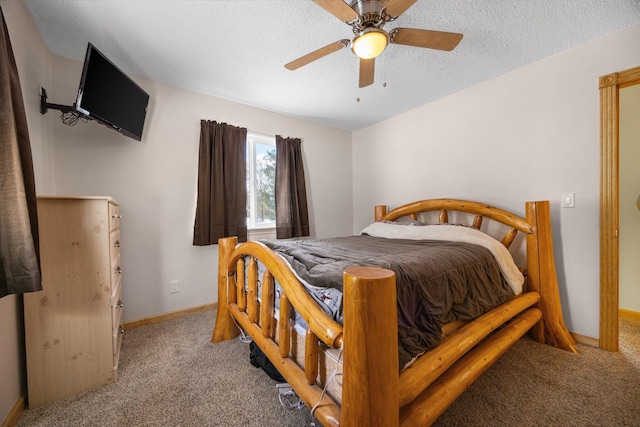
column 367, row 6
column 371, row 14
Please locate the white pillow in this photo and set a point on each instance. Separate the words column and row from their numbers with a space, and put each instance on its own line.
column 454, row 233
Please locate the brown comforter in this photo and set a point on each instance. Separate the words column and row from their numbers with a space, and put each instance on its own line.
column 437, row 281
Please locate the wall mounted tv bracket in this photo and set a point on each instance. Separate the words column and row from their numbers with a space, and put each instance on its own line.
column 44, row 105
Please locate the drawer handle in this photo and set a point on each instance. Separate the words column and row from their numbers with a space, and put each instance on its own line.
column 119, row 304
column 116, row 244
column 116, row 216
column 118, row 270
column 121, row 329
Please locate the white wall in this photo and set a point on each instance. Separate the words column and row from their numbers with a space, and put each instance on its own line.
column 629, row 194
column 34, row 68
column 155, row 182
column 531, row 134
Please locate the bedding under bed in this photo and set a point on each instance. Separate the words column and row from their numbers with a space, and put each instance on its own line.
column 438, row 281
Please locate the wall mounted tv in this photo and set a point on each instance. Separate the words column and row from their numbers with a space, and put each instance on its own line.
column 109, row 96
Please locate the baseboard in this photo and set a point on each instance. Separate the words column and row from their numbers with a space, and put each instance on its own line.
column 15, row 413
column 595, row 342
column 585, row 339
column 629, row 314
column 159, row 318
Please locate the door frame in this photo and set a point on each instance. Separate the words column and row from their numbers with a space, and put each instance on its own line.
column 610, row 86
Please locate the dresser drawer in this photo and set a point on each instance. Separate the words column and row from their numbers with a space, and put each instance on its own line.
column 117, row 344
column 116, row 310
column 118, row 329
column 116, row 270
column 116, row 284
column 114, row 217
column 114, row 247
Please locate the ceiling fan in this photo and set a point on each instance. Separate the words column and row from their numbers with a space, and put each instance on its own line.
column 367, row 18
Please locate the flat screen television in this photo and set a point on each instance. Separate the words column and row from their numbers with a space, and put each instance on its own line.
column 109, row 96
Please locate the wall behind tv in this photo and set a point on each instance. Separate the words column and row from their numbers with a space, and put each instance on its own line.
column 155, row 182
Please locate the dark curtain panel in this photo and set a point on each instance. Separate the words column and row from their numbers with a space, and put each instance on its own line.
column 19, row 245
column 221, row 210
column 292, row 214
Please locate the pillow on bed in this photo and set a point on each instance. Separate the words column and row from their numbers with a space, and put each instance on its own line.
column 455, row 225
column 411, row 222
column 451, row 232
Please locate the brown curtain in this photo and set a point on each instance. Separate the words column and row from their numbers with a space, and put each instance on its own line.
column 292, row 215
column 19, row 245
column 221, row 209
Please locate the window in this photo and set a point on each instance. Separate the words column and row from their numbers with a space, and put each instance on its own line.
column 261, row 178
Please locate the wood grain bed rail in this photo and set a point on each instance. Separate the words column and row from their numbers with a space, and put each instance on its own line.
column 430, row 404
column 424, row 371
column 373, row 391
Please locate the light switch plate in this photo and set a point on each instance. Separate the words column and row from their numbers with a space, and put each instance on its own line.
column 568, row 200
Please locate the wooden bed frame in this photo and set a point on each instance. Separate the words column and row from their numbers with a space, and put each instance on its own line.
column 373, row 393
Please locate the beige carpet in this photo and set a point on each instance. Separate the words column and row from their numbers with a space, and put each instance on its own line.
column 171, row 375
column 537, row 385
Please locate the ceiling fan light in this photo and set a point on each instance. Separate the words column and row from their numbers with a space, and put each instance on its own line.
column 370, row 43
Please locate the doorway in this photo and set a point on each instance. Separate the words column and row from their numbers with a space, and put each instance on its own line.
column 629, row 207
column 610, row 86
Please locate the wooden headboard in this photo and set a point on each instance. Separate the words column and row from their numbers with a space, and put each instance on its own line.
column 540, row 265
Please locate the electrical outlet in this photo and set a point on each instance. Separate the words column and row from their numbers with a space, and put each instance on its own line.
column 175, row 286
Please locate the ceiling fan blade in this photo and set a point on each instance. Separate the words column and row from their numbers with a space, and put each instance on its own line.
column 425, row 38
column 339, row 9
column 367, row 70
column 317, row 54
column 396, row 8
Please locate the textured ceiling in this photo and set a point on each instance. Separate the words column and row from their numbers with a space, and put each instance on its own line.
column 237, row 49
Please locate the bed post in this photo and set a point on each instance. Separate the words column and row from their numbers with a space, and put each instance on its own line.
column 542, row 278
column 370, row 388
column 225, row 329
column 379, row 212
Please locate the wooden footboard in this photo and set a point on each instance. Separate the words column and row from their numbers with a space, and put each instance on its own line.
column 373, row 393
column 370, row 349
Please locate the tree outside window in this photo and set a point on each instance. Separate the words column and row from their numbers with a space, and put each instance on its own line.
column 261, row 174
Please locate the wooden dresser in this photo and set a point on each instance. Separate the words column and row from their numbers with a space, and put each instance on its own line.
column 73, row 326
